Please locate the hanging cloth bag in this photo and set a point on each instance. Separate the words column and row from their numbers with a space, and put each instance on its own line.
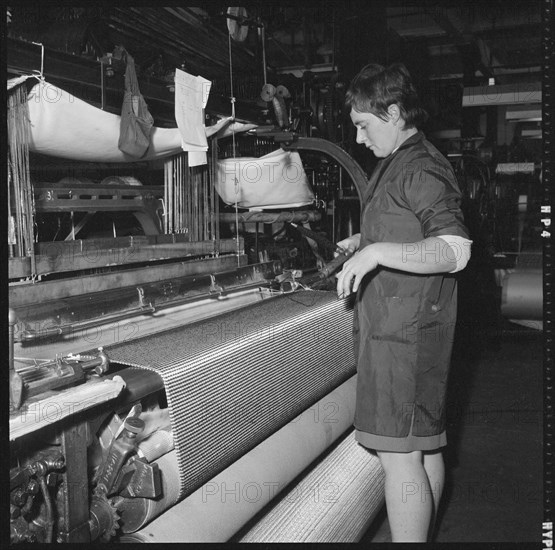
column 136, row 120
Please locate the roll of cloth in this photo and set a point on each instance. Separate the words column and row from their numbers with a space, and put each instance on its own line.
column 233, row 380
column 335, row 502
column 522, row 288
column 220, row 508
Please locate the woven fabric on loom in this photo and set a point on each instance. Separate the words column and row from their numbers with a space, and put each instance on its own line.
column 233, row 380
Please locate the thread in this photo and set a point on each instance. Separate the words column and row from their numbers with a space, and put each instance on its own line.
column 19, row 179
column 232, row 98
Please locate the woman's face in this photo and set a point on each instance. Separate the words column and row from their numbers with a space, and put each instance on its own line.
column 378, row 135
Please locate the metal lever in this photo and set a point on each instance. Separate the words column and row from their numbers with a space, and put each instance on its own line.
column 119, row 450
column 140, row 480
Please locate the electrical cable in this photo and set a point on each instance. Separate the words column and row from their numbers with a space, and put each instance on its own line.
column 318, row 238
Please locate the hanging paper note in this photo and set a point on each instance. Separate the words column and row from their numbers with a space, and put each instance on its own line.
column 191, row 96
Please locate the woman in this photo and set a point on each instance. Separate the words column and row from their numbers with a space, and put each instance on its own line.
column 412, row 240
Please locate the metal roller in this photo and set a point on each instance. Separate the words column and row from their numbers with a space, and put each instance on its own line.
column 522, row 295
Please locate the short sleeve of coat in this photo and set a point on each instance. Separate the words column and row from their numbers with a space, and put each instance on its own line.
column 434, row 196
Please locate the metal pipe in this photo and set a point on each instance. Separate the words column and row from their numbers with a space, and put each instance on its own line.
column 49, row 509
column 102, row 84
column 100, row 363
column 41, row 57
column 269, row 217
column 263, row 40
column 31, row 335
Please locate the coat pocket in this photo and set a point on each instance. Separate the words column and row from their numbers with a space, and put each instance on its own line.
column 395, row 318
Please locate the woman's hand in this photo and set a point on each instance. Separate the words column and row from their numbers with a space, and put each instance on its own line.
column 350, row 244
column 355, row 268
column 425, row 257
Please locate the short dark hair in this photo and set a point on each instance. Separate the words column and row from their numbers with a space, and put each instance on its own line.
column 375, row 88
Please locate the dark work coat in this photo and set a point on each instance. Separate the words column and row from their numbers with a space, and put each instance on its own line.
column 404, row 323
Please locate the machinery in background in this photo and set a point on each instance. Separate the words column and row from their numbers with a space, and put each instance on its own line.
column 501, row 205
column 318, row 109
column 501, row 187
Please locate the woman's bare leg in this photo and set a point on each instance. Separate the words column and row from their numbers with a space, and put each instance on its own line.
column 435, row 469
column 408, row 497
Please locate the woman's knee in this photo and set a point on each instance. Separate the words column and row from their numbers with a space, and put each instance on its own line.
column 393, row 461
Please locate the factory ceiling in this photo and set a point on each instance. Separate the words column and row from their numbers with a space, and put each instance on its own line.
column 465, row 42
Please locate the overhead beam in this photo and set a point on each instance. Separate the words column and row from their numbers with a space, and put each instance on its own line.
column 159, row 26
column 81, row 77
column 459, row 38
column 525, row 29
column 66, row 257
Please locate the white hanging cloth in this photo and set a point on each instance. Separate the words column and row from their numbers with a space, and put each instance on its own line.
column 65, row 126
column 276, row 180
